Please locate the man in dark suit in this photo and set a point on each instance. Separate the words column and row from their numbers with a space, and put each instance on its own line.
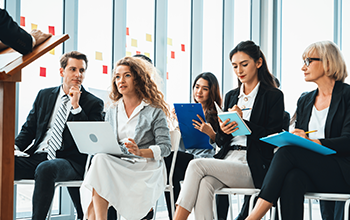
column 15, row 37
column 41, row 162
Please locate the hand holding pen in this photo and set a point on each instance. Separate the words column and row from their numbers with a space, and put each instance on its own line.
column 237, row 109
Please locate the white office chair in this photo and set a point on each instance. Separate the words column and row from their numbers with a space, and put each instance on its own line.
column 175, row 137
column 329, row 197
column 235, row 191
column 71, row 183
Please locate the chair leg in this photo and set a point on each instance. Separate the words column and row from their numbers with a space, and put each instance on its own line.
column 273, row 213
column 230, row 205
column 215, row 208
column 155, row 211
column 172, row 201
column 346, row 209
column 310, row 209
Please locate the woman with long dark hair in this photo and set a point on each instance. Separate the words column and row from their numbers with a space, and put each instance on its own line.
column 242, row 161
column 206, row 91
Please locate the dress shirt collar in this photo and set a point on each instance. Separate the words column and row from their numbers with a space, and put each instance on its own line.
column 252, row 94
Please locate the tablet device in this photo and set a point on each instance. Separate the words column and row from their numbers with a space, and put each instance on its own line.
column 243, row 128
column 193, row 138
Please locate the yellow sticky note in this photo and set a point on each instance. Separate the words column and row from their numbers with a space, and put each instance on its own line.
column 148, row 55
column 98, row 56
column 52, row 51
column 128, row 54
column 170, row 41
column 133, row 43
column 34, row 26
column 149, row 37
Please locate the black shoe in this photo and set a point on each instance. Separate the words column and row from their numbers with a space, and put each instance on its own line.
column 149, row 215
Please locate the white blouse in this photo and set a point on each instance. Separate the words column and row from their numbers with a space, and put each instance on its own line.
column 318, row 122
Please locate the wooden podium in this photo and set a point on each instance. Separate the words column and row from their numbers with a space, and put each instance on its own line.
column 9, row 75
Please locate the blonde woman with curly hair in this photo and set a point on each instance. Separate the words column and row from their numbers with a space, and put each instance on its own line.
column 138, row 116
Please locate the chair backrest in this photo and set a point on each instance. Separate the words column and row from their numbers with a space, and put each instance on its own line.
column 175, row 137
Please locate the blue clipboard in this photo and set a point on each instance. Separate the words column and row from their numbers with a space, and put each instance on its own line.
column 243, row 129
column 193, row 139
column 286, row 139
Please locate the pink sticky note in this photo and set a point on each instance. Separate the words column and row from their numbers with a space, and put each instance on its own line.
column 105, row 69
column 127, row 31
column 182, row 47
column 23, row 21
column 173, row 54
column 43, row 71
column 138, row 52
column 52, row 30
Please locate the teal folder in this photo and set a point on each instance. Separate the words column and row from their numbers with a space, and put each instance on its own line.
column 243, row 129
column 193, row 138
column 287, row 139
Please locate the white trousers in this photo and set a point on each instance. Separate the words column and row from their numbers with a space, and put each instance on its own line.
column 204, row 176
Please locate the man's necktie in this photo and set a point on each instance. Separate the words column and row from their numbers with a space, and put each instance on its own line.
column 57, row 130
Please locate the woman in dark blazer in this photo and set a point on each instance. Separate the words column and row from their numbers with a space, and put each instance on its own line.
column 242, row 160
column 296, row 170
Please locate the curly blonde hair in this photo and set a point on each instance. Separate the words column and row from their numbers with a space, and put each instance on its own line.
column 145, row 87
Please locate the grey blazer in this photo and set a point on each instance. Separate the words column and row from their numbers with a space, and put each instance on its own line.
column 151, row 129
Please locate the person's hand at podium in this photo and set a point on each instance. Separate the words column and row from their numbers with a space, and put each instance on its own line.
column 39, row 37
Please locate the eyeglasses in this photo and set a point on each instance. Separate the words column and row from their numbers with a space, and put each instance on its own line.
column 308, row 60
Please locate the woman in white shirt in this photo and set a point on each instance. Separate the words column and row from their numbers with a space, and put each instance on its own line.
column 138, row 117
column 242, row 161
column 295, row 170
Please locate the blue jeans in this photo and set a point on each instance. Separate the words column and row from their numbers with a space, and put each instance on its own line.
column 46, row 173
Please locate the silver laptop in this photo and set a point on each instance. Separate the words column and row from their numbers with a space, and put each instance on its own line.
column 92, row 137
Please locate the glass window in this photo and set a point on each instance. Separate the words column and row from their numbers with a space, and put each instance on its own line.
column 178, row 55
column 212, row 38
column 140, row 27
column 2, row 4
column 241, row 21
column 346, row 35
column 298, row 32
column 95, row 40
column 40, row 74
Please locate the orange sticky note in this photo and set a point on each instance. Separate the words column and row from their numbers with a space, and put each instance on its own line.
column 173, row 54
column 23, row 21
column 34, row 26
column 104, row 69
column 138, row 52
column 52, row 30
column 127, row 31
column 52, row 51
column 167, row 75
column 182, row 47
column 43, row 71
column 133, row 43
column 170, row 41
column 98, row 55
column 149, row 37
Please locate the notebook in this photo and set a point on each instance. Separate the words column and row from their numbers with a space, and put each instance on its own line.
column 287, row 139
column 243, row 128
column 193, row 138
column 92, row 137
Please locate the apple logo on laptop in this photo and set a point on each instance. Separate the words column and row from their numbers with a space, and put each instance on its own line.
column 93, row 138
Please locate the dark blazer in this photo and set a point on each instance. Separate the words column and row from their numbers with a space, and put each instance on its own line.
column 266, row 118
column 14, row 36
column 37, row 121
column 337, row 129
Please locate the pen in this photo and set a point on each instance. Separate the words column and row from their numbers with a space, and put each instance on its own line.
column 246, row 109
column 308, row 132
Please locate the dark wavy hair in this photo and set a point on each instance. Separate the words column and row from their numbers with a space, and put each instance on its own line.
column 253, row 50
column 211, row 114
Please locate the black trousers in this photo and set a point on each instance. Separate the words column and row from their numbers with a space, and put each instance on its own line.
column 46, row 173
column 295, row 171
column 182, row 161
